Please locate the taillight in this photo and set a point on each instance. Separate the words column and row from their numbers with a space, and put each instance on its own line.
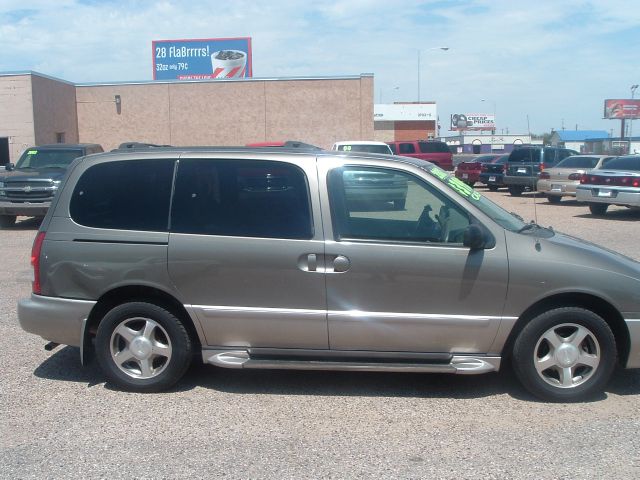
column 542, row 166
column 35, row 262
column 576, row 176
column 545, row 175
column 584, row 178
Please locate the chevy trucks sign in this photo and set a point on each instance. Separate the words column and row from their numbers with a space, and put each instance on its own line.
column 211, row 58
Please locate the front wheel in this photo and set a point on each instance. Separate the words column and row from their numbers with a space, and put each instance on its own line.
column 143, row 347
column 565, row 354
column 7, row 221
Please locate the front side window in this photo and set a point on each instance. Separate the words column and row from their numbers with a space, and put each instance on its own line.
column 242, row 198
column 124, row 195
column 389, row 205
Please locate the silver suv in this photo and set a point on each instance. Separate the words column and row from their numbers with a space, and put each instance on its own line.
column 250, row 258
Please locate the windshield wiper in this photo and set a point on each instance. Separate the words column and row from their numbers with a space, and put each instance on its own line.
column 533, row 226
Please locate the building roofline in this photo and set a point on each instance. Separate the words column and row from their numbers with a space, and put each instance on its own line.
column 164, row 82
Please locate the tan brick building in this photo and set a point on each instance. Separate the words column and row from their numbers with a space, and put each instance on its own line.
column 36, row 109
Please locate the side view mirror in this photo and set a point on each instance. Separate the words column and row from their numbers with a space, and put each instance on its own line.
column 473, row 237
column 9, row 166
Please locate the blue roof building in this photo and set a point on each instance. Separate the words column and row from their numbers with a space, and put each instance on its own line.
column 575, row 139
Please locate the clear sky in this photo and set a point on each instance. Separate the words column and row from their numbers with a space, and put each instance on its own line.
column 554, row 61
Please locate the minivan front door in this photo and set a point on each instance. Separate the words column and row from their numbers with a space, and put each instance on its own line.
column 399, row 279
column 245, row 253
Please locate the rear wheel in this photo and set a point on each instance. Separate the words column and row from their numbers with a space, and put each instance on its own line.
column 142, row 347
column 554, row 198
column 598, row 208
column 516, row 190
column 7, row 221
column 493, row 188
column 565, row 354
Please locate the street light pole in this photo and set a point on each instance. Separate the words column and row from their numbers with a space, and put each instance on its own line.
column 633, row 92
column 444, row 49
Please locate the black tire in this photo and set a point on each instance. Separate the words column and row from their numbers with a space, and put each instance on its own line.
column 530, row 343
column 493, row 188
column 7, row 221
column 471, row 184
column 516, row 190
column 598, row 208
column 171, row 332
column 399, row 204
column 554, row 198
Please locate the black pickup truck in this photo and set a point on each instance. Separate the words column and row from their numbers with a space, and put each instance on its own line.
column 28, row 187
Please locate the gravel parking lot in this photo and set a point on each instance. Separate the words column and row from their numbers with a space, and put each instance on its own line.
column 60, row 420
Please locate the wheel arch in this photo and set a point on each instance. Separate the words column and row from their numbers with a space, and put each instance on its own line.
column 138, row 293
column 589, row 302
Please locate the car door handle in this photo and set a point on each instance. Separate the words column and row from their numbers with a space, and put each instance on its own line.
column 341, row 264
column 308, row 262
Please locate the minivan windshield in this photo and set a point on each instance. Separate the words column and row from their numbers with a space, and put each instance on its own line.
column 58, row 158
column 495, row 212
column 367, row 148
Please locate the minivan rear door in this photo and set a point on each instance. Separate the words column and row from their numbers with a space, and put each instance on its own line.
column 246, row 250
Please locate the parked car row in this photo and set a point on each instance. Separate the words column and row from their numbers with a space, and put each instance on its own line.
column 597, row 180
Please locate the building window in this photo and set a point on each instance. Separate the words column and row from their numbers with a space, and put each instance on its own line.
column 60, row 137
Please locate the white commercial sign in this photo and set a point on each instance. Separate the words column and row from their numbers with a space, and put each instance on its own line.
column 404, row 111
column 472, row 121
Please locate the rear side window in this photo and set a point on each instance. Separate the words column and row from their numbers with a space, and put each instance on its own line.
column 241, row 198
column 406, row 148
column 624, row 163
column 525, row 155
column 124, row 195
column 433, row 147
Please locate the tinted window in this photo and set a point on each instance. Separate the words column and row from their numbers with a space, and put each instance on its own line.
column 126, row 195
column 578, row 162
column 241, row 198
column 389, row 205
column 624, row 163
column 525, row 155
column 433, row 147
column 406, row 148
column 54, row 158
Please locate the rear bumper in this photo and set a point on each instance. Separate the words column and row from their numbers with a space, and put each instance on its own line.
column 524, row 181
column 618, row 196
column 56, row 319
column 26, row 209
column 486, row 178
column 557, row 188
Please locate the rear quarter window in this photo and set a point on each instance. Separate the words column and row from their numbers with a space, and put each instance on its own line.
column 124, row 195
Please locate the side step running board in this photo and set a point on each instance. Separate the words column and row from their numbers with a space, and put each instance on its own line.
column 461, row 364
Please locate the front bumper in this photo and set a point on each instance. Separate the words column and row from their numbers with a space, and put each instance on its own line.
column 27, row 209
column 55, row 319
column 634, row 350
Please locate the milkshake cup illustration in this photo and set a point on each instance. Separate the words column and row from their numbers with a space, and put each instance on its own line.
column 228, row 64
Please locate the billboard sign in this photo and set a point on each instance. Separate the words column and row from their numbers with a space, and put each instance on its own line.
column 619, row 109
column 472, row 121
column 210, row 58
column 404, row 111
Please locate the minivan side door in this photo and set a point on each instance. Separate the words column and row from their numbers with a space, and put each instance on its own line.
column 401, row 280
column 246, row 250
